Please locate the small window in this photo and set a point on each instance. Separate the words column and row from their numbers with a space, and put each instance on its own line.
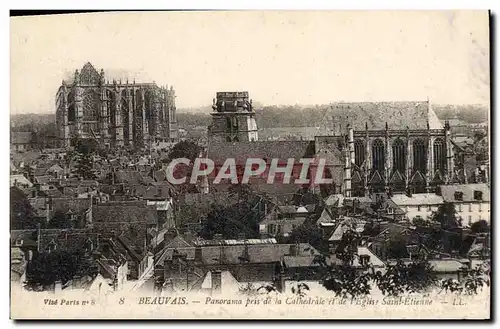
column 480, row 207
column 459, row 196
column 429, row 208
column 390, row 211
column 470, row 207
column 470, row 220
column 364, row 260
column 478, row 195
column 418, row 208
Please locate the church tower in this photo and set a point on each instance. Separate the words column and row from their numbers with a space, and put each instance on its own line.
column 233, row 118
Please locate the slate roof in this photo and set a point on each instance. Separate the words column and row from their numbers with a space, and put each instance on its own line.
column 69, row 240
column 26, row 237
column 267, row 150
column 417, row 199
column 448, row 192
column 398, row 115
column 238, row 254
column 20, row 180
column 128, row 211
column 73, row 205
column 21, row 137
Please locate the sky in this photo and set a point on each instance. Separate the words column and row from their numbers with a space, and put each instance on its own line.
column 288, row 57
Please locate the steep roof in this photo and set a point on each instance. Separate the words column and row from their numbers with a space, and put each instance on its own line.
column 128, row 211
column 448, row 192
column 68, row 240
column 398, row 115
column 268, row 150
column 238, row 254
column 417, row 199
column 21, row 137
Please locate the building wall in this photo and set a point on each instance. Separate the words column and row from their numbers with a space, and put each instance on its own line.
column 424, row 211
column 233, row 118
column 472, row 212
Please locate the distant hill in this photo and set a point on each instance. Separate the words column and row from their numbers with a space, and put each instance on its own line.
column 274, row 116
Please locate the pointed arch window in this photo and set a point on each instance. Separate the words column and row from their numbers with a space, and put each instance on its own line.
column 359, row 152
column 439, row 155
column 90, row 106
column 419, row 155
column 399, row 156
column 378, row 155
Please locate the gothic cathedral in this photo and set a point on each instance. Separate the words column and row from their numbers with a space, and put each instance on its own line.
column 114, row 114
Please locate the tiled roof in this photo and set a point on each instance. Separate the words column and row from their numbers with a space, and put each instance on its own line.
column 128, row 177
column 26, row 237
column 299, row 261
column 20, row 180
column 68, row 240
column 417, row 199
column 21, row 137
column 129, row 211
column 448, row 192
column 398, row 115
column 241, row 254
column 268, row 150
column 73, row 205
column 446, row 265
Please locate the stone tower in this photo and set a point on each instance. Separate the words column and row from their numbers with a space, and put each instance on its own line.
column 233, row 118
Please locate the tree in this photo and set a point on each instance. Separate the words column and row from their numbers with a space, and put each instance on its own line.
column 401, row 278
column 231, row 221
column 480, row 227
column 22, row 214
column 84, row 167
column 57, row 266
column 240, row 218
column 396, row 247
column 419, row 221
column 184, row 149
column 310, row 233
column 446, row 216
column 60, row 220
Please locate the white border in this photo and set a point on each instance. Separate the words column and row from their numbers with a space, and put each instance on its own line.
column 190, row 4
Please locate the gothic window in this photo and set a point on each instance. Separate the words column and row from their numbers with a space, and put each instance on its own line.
column 378, row 155
column 90, row 106
column 359, row 152
column 71, row 113
column 89, row 75
column 399, row 155
column 419, row 155
column 439, row 155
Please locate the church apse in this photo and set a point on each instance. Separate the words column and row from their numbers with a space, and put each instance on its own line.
column 117, row 113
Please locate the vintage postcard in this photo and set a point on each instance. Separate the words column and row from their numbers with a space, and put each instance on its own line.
column 250, row 165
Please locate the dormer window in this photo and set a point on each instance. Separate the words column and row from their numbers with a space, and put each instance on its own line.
column 459, row 196
column 364, row 260
column 89, row 245
column 52, row 246
column 478, row 195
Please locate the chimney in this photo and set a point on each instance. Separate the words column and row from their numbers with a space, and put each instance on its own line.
column 198, row 255
column 280, row 284
column 57, row 287
column 294, row 249
column 216, row 281
column 347, row 175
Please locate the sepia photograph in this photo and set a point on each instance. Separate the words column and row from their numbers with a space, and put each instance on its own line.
column 319, row 164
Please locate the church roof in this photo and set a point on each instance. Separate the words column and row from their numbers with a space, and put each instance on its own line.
column 398, row 115
column 267, row 150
